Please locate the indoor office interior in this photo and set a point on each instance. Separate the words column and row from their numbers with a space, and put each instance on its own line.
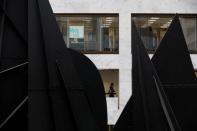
column 152, row 28
column 90, row 33
column 99, row 34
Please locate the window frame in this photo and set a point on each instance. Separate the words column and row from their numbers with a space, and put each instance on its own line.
column 94, row 15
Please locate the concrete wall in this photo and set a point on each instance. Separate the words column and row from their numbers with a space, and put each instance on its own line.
column 124, row 8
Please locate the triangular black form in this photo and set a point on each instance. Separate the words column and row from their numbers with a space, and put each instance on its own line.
column 13, row 65
column 124, row 122
column 65, row 89
column 174, row 67
column 148, row 109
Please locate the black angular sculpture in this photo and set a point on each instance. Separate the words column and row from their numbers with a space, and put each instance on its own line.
column 149, row 106
column 65, row 89
column 13, row 31
column 125, row 121
column 175, row 70
column 13, row 65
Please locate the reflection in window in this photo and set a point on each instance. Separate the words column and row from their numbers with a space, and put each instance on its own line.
column 90, row 33
column 189, row 26
column 152, row 29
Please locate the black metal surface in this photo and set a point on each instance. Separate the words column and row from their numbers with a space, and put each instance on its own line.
column 58, row 110
column 13, row 69
column 175, row 70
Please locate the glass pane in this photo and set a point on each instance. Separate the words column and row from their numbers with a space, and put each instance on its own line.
column 189, row 26
column 153, row 28
column 90, row 34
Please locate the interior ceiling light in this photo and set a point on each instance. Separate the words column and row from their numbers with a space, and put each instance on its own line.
column 88, row 18
column 109, row 18
column 109, row 22
column 154, row 18
column 106, row 24
column 151, row 20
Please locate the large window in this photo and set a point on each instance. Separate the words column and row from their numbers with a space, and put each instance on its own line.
column 152, row 28
column 90, row 33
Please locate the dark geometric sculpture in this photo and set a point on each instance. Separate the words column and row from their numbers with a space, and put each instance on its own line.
column 149, row 106
column 125, row 121
column 44, row 86
column 13, row 65
column 65, row 89
column 174, row 67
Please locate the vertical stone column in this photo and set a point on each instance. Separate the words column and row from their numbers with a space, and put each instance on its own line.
column 125, row 80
